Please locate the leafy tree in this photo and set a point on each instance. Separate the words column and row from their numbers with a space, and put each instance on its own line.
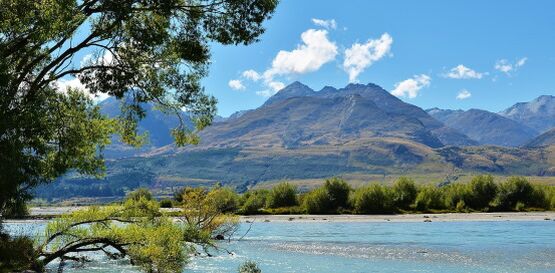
column 404, row 193
column 318, row 201
column 138, row 51
column 482, row 191
column 513, row 191
column 338, row 191
column 224, row 198
column 372, row 199
column 429, row 197
column 456, row 196
column 282, row 195
column 253, row 201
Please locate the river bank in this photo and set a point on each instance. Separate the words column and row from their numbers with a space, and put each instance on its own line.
column 49, row 212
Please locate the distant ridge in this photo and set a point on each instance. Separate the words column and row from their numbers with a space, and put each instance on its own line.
column 538, row 114
column 486, row 127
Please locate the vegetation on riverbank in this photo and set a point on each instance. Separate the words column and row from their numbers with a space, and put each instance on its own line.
column 481, row 194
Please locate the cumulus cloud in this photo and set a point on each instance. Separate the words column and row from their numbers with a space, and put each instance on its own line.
column 464, row 94
column 360, row 56
column 251, row 75
column 462, row 72
column 236, row 85
column 315, row 51
column 411, row 87
column 75, row 84
column 506, row 67
column 329, row 24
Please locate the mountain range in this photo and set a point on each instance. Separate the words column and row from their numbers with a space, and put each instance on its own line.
column 358, row 131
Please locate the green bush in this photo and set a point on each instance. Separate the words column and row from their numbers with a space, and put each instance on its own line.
column 512, row 191
column 428, row 198
column 138, row 194
column 372, row 199
column 482, row 190
column 282, row 195
column 249, row 267
column 403, row 193
column 456, row 196
column 224, row 199
column 253, row 201
column 166, row 203
column 17, row 254
column 317, row 201
column 338, row 192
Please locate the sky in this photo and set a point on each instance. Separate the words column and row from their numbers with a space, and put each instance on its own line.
column 447, row 54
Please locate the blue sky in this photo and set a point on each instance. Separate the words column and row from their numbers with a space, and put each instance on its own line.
column 489, row 54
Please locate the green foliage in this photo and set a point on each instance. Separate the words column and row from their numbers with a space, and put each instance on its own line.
column 253, row 201
column 404, row 193
column 428, row 198
column 135, row 230
column 329, row 198
column 338, row 191
column 482, row 190
column 456, row 196
column 372, row 199
column 249, row 267
column 512, row 191
column 282, row 195
column 318, row 201
column 17, row 254
column 166, row 203
column 138, row 194
column 224, row 199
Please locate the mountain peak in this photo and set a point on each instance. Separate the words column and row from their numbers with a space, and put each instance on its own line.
column 294, row 89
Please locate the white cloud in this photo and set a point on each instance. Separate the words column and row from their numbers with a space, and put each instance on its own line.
column 463, row 72
column 329, row 24
column 506, row 67
column 251, row 75
column 464, row 94
column 361, row 56
column 411, row 87
column 521, row 62
column 315, row 51
column 65, row 84
column 236, row 85
column 276, row 86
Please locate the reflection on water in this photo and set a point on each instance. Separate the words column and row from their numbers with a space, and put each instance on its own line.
column 376, row 247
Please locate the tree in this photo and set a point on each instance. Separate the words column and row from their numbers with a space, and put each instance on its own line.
column 371, row 199
column 282, row 195
column 482, row 191
column 338, row 191
column 404, row 193
column 138, row 51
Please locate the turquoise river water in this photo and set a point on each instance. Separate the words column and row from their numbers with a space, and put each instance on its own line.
column 374, row 247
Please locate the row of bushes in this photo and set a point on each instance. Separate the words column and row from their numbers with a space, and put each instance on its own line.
column 336, row 196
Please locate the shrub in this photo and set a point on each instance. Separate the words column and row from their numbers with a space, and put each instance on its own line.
column 317, row 201
column 456, row 196
column 512, row 191
column 338, row 192
column 429, row 197
column 282, row 195
column 482, row 190
column 166, row 203
column 249, row 267
column 224, row 199
column 371, row 199
column 403, row 193
column 138, row 194
column 253, row 201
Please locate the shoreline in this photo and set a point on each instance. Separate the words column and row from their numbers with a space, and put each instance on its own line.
column 404, row 218
column 46, row 213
